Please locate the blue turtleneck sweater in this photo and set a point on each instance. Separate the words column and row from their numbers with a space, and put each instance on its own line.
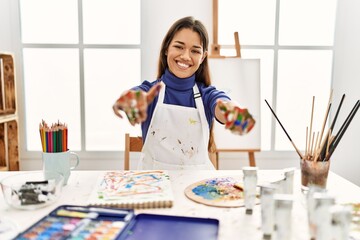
column 179, row 91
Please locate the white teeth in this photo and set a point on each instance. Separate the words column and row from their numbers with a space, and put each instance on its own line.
column 182, row 65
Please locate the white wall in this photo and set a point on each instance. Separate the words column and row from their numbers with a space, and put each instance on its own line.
column 346, row 79
column 5, row 26
column 158, row 16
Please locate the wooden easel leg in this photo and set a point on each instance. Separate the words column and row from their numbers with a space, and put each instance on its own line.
column 252, row 159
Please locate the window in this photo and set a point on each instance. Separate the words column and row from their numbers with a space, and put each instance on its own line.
column 82, row 66
column 294, row 41
column 76, row 59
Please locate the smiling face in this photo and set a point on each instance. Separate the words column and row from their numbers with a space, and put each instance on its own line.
column 185, row 53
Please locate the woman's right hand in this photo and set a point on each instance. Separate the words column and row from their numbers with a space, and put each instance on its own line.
column 134, row 103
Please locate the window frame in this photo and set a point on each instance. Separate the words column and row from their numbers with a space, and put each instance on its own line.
column 19, row 46
column 116, row 155
column 276, row 47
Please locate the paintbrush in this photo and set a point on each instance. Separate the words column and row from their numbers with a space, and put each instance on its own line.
column 342, row 130
column 311, row 122
column 322, row 145
column 323, row 150
column 296, row 149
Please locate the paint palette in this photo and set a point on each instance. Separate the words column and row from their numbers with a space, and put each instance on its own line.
column 217, row 192
column 79, row 222
column 86, row 222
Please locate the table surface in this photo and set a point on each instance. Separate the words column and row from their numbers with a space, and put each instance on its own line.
column 234, row 223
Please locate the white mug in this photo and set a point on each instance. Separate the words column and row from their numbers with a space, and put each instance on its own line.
column 59, row 162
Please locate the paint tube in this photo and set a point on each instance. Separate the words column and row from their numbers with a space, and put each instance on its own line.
column 267, row 192
column 311, row 206
column 322, row 217
column 250, row 181
column 289, row 180
column 282, row 214
column 341, row 220
column 279, row 185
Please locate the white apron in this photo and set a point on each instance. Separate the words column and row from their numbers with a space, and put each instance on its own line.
column 177, row 137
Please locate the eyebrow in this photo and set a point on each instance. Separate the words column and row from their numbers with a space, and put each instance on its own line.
column 195, row 46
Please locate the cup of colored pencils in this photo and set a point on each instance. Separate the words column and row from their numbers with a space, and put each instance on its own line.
column 56, row 156
column 54, row 138
column 319, row 147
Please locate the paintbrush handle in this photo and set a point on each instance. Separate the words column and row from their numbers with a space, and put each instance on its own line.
column 278, row 120
column 296, row 149
column 347, row 121
column 323, row 150
column 337, row 112
column 342, row 130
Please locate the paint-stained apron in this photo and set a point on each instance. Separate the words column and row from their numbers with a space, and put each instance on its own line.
column 177, row 137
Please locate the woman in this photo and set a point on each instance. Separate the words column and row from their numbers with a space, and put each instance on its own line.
column 176, row 111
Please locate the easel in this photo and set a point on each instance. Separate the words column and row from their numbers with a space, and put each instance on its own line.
column 215, row 47
column 215, row 53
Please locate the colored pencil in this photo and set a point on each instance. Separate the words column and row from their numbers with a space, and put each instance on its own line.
column 60, row 149
column 54, row 138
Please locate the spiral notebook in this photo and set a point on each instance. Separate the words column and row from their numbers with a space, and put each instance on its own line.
column 133, row 189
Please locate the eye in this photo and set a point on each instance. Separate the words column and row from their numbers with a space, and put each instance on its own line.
column 178, row 46
column 196, row 51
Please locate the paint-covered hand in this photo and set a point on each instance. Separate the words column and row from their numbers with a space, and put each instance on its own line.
column 237, row 120
column 134, row 103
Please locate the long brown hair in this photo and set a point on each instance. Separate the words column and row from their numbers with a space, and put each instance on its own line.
column 203, row 73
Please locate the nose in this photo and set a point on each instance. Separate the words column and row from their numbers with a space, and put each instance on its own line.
column 185, row 55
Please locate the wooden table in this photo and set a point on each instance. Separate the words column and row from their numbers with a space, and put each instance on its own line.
column 234, row 223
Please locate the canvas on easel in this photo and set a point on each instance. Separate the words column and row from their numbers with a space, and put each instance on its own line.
column 240, row 79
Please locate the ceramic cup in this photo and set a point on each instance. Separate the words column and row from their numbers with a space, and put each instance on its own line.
column 60, row 162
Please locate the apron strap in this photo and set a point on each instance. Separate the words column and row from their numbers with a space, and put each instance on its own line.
column 201, row 110
column 161, row 95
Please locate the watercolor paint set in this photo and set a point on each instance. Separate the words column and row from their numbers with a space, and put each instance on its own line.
column 86, row 222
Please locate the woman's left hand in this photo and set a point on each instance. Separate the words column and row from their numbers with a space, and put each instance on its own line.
column 237, row 120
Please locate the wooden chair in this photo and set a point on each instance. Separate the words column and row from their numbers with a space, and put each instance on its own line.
column 251, row 154
column 132, row 144
column 214, row 154
column 135, row 144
